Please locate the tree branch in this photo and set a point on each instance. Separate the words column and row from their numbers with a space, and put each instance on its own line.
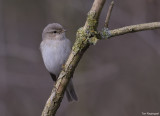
column 109, row 14
column 106, row 33
column 93, row 15
column 134, row 28
column 86, row 36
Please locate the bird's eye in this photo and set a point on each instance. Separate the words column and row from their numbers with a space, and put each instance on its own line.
column 54, row 31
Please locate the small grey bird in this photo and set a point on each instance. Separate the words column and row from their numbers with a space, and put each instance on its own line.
column 55, row 49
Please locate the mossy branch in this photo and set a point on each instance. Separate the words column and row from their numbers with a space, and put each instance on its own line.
column 86, row 36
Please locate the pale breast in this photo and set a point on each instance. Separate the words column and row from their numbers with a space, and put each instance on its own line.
column 54, row 54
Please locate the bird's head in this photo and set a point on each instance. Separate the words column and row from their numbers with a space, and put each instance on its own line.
column 53, row 31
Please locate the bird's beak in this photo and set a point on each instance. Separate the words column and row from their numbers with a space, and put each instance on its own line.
column 63, row 30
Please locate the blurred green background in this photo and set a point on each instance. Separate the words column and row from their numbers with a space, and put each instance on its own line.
column 117, row 77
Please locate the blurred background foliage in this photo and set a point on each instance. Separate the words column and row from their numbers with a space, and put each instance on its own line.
column 117, row 77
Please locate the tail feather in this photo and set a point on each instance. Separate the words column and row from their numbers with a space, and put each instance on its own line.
column 70, row 92
column 69, row 98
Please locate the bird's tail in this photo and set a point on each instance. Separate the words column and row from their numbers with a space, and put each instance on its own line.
column 70, row 92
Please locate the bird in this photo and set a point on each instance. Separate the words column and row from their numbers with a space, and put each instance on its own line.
column 55, row 49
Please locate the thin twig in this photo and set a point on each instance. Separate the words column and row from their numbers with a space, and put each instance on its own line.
column 134, row 28
column 109, row 14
